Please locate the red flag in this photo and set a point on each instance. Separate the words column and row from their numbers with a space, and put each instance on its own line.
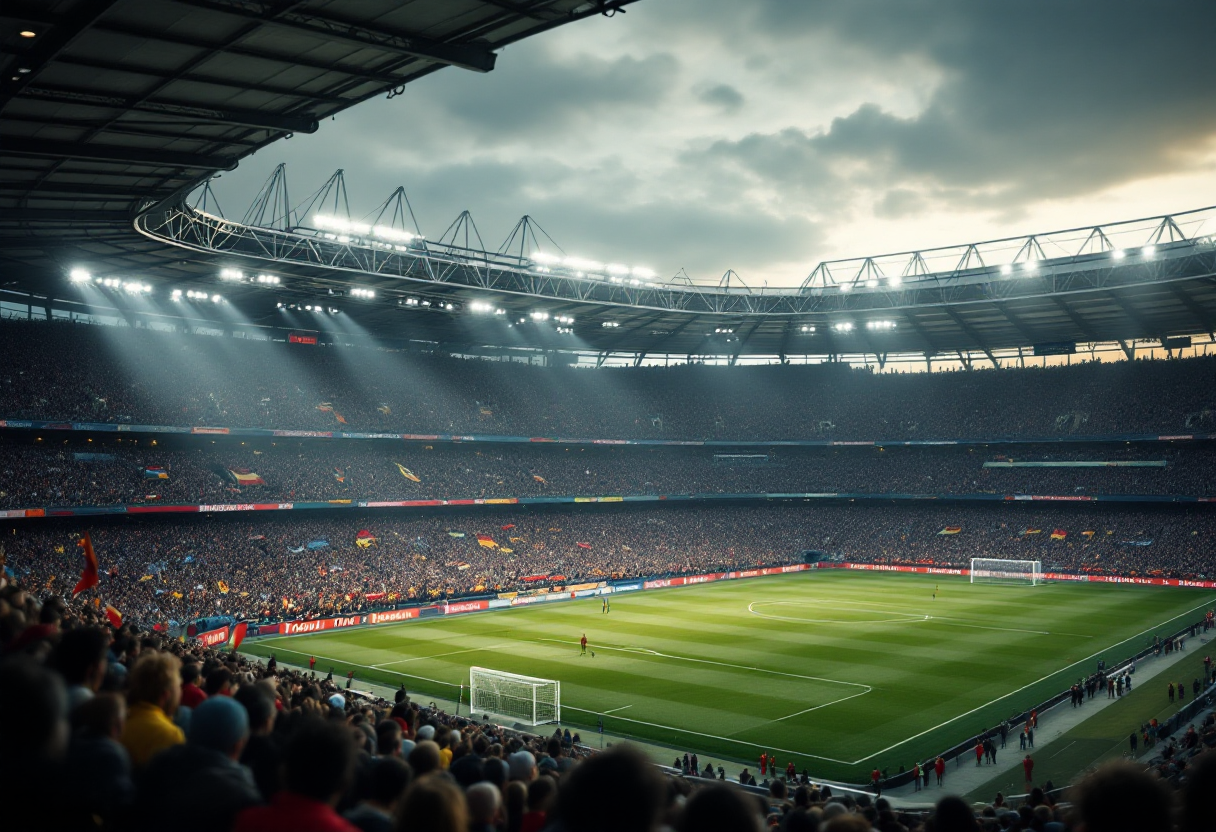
column 508, row 527
column 238, row 635
column 114, row 616
column 88, row 578
column 583, row 545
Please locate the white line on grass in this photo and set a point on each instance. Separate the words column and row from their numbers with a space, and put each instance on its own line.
column 1065, row 748
column 614, row 710
column 440, row 655
column 719, row 664
column 908, row 618
column 1032, row 684
column 349, row 663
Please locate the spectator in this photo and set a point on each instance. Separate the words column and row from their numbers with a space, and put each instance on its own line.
column 318, row 765
column 390, row 777
column 205, row 765
column 1119, row 796
column 433, row 804
column 154, row 693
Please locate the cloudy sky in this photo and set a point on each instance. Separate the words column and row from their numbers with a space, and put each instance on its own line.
column 767, row 135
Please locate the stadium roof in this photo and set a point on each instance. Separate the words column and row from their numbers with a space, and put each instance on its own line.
column 109, row 106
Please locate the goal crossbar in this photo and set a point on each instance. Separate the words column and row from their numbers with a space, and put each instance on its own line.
column 1004, row 571
column 527, row 699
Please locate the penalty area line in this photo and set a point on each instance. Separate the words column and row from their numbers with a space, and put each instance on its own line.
column 648, row 652
column 440, row 655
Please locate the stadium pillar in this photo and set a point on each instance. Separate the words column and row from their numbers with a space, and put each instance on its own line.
column 1129, row 349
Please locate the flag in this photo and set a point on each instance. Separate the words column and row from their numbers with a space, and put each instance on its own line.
column 951, row 530
column 583, row 545
column 1032, row 531
column 364, row 539
column 325, row 407
column 155, row 472
column 518, row 540
column 385, row 409
column 508, row 527
column 145, row 578
column 243, row 476
column 223, row 585
column 456, row 534
column 113, row 616
column 238, row 635
column 1058, row 534
column 540, row 479
column 339, row 417
column 88, row 577
column 317, row 544
column 485, row 411
column 486, row 541
column 340, row 475
column 176, row 594
column 407, row 473
column 505, row 550
column 462, row 566
column 1087, row 534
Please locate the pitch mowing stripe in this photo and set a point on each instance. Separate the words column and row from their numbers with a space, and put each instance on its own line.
column 928, row 671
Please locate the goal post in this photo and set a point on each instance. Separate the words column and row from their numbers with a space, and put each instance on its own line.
column 1002, row 571
column 525, row 699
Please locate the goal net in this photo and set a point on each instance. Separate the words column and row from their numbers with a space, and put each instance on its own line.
column 999, row 571
column 522, row 698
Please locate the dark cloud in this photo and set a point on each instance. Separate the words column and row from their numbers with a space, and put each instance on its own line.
column 723, row 96
column 711, row 134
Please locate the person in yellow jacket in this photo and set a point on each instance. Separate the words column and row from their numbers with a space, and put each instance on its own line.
column 153, row 696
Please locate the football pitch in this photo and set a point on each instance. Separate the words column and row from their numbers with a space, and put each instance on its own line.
column 840, row 671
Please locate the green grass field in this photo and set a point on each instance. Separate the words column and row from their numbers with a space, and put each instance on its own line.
column 842, row 671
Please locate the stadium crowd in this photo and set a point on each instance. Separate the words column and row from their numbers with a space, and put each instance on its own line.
column 110, row 727
column 79, row 372
column 128, row 471
column 276, row 565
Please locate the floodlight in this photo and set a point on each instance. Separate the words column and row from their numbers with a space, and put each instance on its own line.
column 843, row 326
column 872, row 282
column 79, row 275
column 544, row 257
column 231, row 274
column 216, row 298
column 1118, row 254
column 1149, row 251
column 895, row 280
column 1006, row 269
column 643, row 272
column 846, row 287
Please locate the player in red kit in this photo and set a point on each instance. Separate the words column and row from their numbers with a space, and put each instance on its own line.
column 583, row 644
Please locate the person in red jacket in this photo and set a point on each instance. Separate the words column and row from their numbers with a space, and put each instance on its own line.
column 763, row 763
column 319, row 763
column 875, row 778
column 312, row 662
column 979, row 754
column 1028, row 767
column 939, row 768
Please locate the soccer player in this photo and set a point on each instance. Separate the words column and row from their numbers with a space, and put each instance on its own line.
column 583, row 644
column 312, row 662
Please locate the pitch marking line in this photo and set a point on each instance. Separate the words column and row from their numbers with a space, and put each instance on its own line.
column 908, row 618
column 614, row 710
column 440, row 655
column 650, row 652
column 802, row 753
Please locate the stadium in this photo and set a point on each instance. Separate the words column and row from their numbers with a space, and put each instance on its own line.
column 343, row 518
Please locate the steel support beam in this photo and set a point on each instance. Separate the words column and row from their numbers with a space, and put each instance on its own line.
column 112, row 153
column 173, row 110
column 396, row 42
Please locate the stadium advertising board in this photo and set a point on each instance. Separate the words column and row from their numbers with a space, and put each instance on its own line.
column 213, row 637
column 392, row 615
column 465, row 606
column 632, row 587
column 292, row 628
